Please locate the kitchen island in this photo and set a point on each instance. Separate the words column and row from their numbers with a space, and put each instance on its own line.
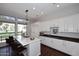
column 33, row 46
column 64, row 42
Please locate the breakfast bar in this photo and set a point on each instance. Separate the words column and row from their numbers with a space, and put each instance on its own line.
column 33, row 46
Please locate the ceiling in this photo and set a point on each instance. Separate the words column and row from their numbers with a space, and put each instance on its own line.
column 38, row 11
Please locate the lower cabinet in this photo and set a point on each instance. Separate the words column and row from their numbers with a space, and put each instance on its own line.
column 58, row 44
column 53, row 43
column 71, row 48
column 46, row 41
column 48, row 51
column 33, row 49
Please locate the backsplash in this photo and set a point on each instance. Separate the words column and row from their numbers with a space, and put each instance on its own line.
column 65, row 24
column 68, row 28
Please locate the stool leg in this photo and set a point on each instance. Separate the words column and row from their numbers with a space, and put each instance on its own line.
column 9, row 51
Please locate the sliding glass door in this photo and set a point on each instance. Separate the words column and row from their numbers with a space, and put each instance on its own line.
column 10, row 26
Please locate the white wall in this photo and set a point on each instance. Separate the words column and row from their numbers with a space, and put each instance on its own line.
column 66, row 24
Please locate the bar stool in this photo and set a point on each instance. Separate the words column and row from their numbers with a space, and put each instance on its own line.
column 16, row 46
column 9, row 48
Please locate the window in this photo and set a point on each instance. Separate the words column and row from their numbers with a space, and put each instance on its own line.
column 11, row 26
column 6, row 29
column 21, row 29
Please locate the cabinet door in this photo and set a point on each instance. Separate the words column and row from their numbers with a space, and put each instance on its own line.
column 42, row 40
column 53, row 43
column 58, row 44
column 46, row 41
column 34, row 49
column 50, row 43
column 72, row 48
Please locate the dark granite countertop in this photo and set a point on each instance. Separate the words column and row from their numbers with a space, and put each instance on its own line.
column 69, row 36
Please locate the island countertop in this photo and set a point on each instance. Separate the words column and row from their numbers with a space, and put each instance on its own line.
column 25, row 41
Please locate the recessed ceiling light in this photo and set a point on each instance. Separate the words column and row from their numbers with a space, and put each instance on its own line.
column 58, row 5
column 34, row 8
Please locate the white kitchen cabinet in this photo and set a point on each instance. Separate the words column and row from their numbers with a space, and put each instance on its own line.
column 32, row 46
column 46, row 41
column 43, row 40
column 72, row 48
column 33, row 49
column 58, row 44
column 53, row 43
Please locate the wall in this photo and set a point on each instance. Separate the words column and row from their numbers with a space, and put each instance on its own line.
column 65, row 24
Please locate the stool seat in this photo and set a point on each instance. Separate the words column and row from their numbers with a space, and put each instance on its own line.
column 16, row 46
